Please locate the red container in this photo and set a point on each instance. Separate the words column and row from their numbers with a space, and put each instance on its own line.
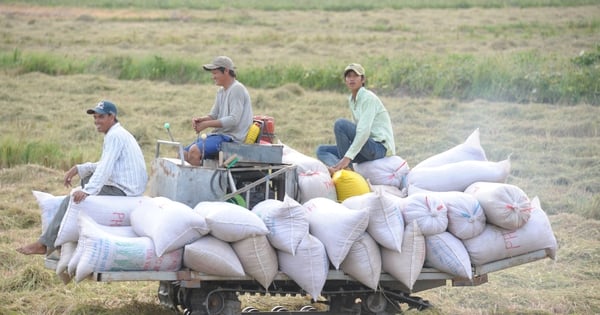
column 268, row 130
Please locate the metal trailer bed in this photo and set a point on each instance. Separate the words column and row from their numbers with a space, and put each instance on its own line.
column 196, row 293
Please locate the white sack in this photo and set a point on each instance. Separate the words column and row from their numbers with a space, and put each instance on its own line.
column 505, row 205
column 469, row 150
column 496, row 243
column 66, row 253
column 466, row 218
column 303, row 162
column 387, row 189
column 336, row 226
column 458, row 176
column 313, row 176
column 74, row 260
column 125, row 231
column 406, row 266
column 386, row 223
column 363, row 261
column 315, row 184
column 309, row 267
column 170, row 224
column 48, row 206
column 447, row 253
column 258, row 258
column 106, row 252
column 104, row 210
column 390, row 170
column 230, row 222
column 286, row 220
column 212, row 256
column 428, row 210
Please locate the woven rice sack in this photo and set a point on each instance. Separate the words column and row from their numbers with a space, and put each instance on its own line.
column 104, row 210
column 497, row 243
column 469, row 150
column 125, row 231
column 258, row 258
column 336, row 226
column 349, row 183
column 212, row 256
column 428, row 210
column 286, row 220
column 105, row 252
column 230, row 222
column 387, row 189
column 170, row 224
column 406, row 266
column 74, row 260
column 312, row 175
column 315, row 184
column 363, row 261
column 386, row 223
column 309, row 267
column 390, row 170
column 458, row 176
column 505, row 205
column 447, row 253
column 66, row 253
column 303, row 162
column 466, row 218
column 48, row 204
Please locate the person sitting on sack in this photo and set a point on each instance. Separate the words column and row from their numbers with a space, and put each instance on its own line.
column 231, row 114
column 121, row 171
column 368, row 137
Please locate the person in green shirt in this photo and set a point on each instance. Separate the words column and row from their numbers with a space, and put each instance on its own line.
column 368, row 137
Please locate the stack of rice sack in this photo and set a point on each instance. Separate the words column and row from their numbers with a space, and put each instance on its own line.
column 112, row 233
column 487, row 219
column 225, row 239
column 216, row 238
column 455, row 211
column 236, row 244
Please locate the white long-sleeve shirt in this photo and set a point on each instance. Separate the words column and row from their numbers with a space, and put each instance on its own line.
column 121, row 165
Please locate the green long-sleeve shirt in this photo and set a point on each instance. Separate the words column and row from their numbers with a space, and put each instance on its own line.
column 372, row 121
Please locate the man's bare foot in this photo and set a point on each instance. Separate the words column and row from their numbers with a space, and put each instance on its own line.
column 36, row 248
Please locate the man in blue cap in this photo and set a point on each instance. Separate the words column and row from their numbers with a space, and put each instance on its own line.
column 121, row 171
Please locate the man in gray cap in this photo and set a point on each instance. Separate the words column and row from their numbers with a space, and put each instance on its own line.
column 230, row 117
column 121, row 171
column 369, row 136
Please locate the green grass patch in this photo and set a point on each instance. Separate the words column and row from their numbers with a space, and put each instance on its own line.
column 14, row 152
column 517, row 77
column 40, row 62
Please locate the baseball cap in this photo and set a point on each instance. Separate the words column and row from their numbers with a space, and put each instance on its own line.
column 220, row 62
column 356, row 68
column 104, row 107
